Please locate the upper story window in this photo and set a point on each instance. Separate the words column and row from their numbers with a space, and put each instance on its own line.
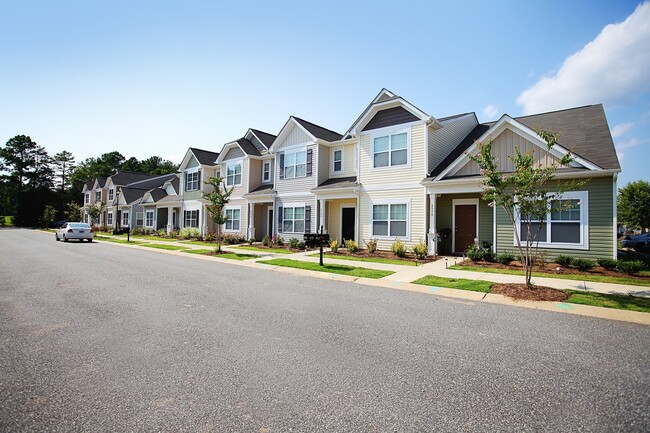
column 266, row 171
column 98, row 195
column 111, row 191
column 390, row 150
column 337, row 161
column 87, row 198
column 233, row 174
column 192, row 180
column 295, row 164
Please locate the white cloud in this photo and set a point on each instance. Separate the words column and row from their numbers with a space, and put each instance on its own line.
column 490, row 111
column 621, row 129
column 613, row 68
column 629, row 143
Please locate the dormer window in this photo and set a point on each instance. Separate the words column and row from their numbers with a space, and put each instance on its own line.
column 98, row 195
column 390, row 150
column 233, row 174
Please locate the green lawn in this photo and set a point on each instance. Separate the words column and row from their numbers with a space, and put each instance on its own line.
column 153, row 238
column 594, row 278
column 619, row 302
column 165, row 247
column 266, row 250
column 202, row 243
column 333, row 269
column 368, row 259
column 118, row 241
column 232, row 256
column 456, row 283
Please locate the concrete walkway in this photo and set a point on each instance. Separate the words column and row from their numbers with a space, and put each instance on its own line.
column 408, row 274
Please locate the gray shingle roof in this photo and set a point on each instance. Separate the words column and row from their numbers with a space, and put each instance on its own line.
column 318, row 131
column 101, row 181
column 462, row 147
column 126, row 177
column 154, row 182
column 338, row 183
column 266, row 138
column 262, row 189
column 205, row 157
column 248, row 147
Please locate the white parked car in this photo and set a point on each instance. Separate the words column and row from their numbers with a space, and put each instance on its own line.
column 78, row 231
column 635, row 241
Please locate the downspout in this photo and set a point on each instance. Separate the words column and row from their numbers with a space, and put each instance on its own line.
column 615, row 214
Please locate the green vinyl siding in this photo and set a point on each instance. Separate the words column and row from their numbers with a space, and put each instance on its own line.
column 192, row 195
column 601, row 224
column 444, row 216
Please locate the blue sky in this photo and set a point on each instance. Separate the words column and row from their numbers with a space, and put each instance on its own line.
column 154, row 77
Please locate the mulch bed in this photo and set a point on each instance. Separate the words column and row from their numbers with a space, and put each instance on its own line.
column 554, row 268
column 383, row 255
column 536, row 293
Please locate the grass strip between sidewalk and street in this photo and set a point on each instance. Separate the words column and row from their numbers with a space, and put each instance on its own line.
column 165, row 247
column 232, row 256
column 118, row 241
column 367, row 259
column 265, row 250
column 593, row 278
column 606, row 300
column 330, row 268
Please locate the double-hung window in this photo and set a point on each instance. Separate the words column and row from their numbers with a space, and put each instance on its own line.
column 293, row 219
column 138, row 219
column 390, row 150
column 233, row 219
column 87, row 198
column 565, row 225
column 389, row 220
column 191, row 218
column 233, row 174
column 295, row 164
column 125, row 218
column 266, row 171
column 111, row 191
column 338, row 161
column 149, row 218
column 98, row 195
column 192, row 180
column 109, row 218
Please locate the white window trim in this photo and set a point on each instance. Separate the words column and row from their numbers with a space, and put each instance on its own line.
column 270, row 179
column 292, row 205
column 294, row 151
column 583, row 196
column 109, row 218
column 153, row 218
column 334, row 150
column 408, row 219
column 125, row 218
column 198, row 181
column 111, row 193
column 87, row 198
column 227, row 208
column 98, row 191
column 198, row 217
column 234, row 163
column 377, row 133
column 461, row 201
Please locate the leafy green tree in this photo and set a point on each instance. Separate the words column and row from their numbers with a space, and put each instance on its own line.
column 18, row 159
column 64, row 164
column 218, row 199
column 155, row 165
column 49, row 214
column 634, row 205
column 95, row 210
column 132, row 164
column 524, row 194
column 73, row 211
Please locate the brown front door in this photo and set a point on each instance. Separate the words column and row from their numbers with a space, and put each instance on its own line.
column 465, row 230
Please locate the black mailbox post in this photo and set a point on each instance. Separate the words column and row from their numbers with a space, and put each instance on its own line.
column 317, row 240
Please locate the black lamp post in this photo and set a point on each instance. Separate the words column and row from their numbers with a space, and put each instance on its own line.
column 116, row 224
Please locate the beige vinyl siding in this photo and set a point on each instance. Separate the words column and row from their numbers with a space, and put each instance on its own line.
column 234, row 153
column 444, row 219
column 442, row 141
column 323, row 163
column 333, row 209
column 416, row 215
column 245, row 169
column 601, row 224
column 299, row 184
column 296, row 136
column 243, row 225
column 348, row 161
column 411, row 173
column 503, row 146
column 254, row 174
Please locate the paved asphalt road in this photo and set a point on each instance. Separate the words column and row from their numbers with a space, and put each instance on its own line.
column 97, row 337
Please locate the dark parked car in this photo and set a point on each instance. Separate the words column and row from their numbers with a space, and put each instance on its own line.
column 636, row 241
column 59, row 224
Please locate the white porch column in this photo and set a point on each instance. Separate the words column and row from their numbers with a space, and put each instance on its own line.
column 170, row 220
column 433, row 244
column 204, row 220
column 322, row 216
column 251, row 221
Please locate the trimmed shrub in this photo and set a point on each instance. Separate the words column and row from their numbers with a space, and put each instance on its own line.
column 630, row 267
column 420, row 250
column 334, row 245
column 583, row 264
column 251, row 241
column 266, row 241
column 162, row 233
column 609, row 264
column 398, row 248
column 351, row 246
column 564, row 261
column 371, row 245
column 505, row 258
column 301, row 245
column 474, row 253
column 293, row 243
column 277, row 240
column 210, row 237
column 189, row 232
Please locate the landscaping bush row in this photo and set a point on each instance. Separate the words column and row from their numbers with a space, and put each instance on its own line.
column 630, row 267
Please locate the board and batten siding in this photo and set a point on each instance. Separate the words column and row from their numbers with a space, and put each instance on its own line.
column 411, row 173
column 296, row 136
column 601, row 224
column 504, row 146
column 442, row 141
column 416, row 229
